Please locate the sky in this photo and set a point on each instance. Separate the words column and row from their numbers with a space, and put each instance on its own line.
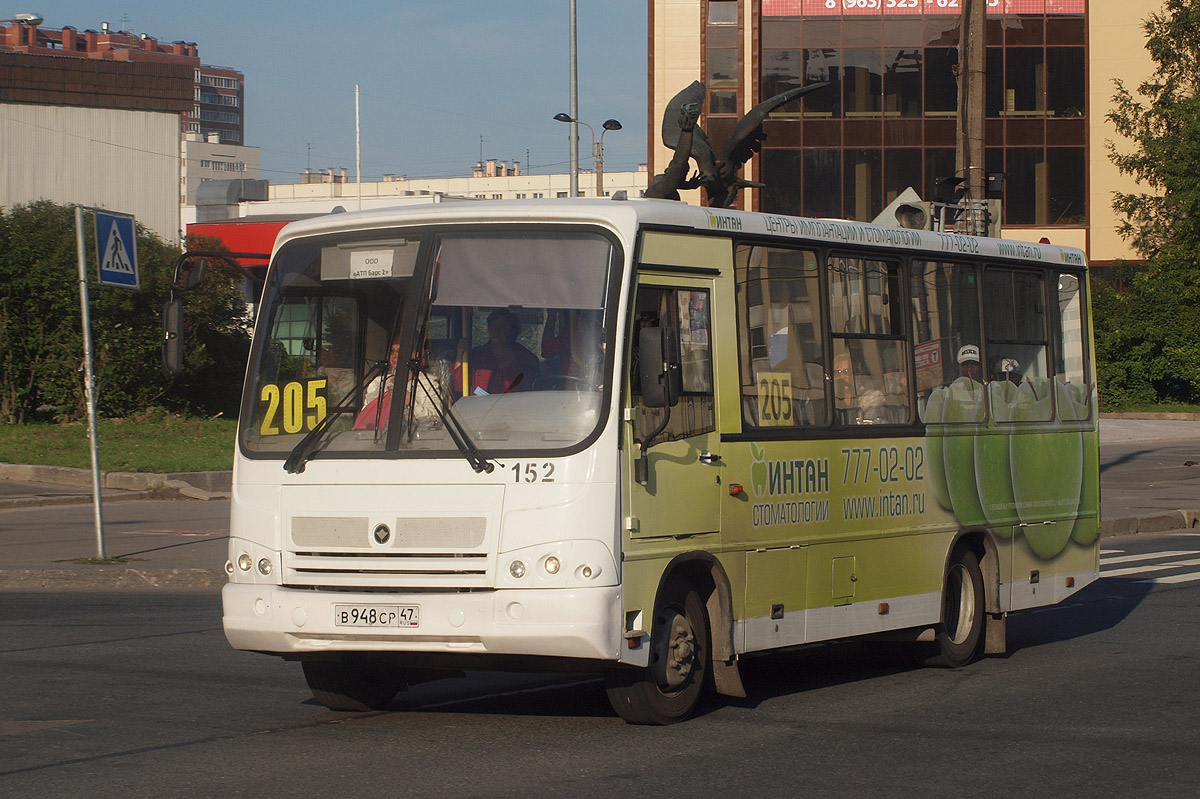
column 441, row 84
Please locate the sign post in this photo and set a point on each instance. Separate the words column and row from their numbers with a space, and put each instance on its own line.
column 116, row 248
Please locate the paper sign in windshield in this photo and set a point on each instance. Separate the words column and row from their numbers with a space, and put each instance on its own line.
column 366, row 264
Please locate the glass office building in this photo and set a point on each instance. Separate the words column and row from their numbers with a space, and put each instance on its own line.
column 887, row 118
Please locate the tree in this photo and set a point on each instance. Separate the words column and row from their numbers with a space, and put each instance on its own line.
column 41, row 340
column 1162, row 121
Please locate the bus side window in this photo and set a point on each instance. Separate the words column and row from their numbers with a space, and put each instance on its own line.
column 870, row 349
column 780, row 339
column 688, row 312
column 944, row 317
column 1016, row 344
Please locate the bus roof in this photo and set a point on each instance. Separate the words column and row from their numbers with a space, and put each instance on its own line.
column 672, row 213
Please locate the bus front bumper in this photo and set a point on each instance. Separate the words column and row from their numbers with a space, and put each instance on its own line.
column 569, row 623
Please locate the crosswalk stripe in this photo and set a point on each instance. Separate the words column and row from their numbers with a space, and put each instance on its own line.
column 1147, row 556
column 1174, row 578
column 1155, row 568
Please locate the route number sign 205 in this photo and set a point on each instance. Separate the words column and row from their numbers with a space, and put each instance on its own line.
column 292, row 407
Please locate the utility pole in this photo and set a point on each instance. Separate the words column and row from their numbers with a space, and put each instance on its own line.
column 969, row 152
column 574, row 108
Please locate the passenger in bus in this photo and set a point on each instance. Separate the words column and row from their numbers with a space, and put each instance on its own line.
column 968, row 363
column 431, row 389
column 377, row 398
column 501, row 365
column 1006, row 370
column 854, row 394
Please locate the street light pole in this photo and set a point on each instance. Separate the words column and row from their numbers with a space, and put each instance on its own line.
column 574, row 109
column 597, row 149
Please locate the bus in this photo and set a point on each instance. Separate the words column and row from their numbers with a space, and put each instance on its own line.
column 641, row 439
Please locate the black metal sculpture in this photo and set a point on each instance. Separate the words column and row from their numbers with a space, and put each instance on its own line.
column 718, row 176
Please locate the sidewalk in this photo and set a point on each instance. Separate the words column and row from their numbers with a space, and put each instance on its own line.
column 1146, row 487
column 174, row 537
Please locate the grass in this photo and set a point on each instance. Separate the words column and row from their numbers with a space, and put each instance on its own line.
column 164, row 444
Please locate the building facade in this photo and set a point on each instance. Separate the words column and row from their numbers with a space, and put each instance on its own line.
column 95, row 118
column 209, row 158
column 217, row 109
column 887, row 118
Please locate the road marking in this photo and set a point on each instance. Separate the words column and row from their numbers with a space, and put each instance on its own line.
column 1147, row 556
column 1111, row 551
column 202, row 532
column 1156, row 568
column 1175, row 578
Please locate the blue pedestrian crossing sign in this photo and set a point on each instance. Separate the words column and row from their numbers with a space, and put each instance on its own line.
column 116, row 247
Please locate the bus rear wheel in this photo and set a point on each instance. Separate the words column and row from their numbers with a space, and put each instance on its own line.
column 960, row 635
column 354, row 682
column 666, row 691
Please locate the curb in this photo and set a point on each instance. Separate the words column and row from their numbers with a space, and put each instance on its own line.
column 123, row 579
column 1154, row 416
column 195, row 485
column 1164, row 522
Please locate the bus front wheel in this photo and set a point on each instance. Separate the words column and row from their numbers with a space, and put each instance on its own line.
column 354, row 682
column 667, row 690
column 960, row 635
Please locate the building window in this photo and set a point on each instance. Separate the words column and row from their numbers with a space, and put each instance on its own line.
column 721, row 57
column 886, row 120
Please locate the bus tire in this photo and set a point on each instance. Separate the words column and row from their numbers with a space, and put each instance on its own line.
column 353, row 682
column 960, row 635
column 666, row 691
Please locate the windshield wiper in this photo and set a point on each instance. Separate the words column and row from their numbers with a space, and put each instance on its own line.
column 458, row 433
column 303, row 452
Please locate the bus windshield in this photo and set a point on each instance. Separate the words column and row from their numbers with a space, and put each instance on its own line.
column 400, row 344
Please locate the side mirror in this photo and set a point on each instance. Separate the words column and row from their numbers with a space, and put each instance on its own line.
column 195, row 274
column 659, row 367
column 172, row 341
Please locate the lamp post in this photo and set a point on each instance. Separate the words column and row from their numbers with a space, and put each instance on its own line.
column 597, row 145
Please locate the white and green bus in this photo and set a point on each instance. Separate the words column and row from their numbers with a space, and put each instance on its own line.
column 642, row 438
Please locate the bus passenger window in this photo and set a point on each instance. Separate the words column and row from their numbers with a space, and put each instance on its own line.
column 1017, row 345
column 780, row 339
column 870, row 351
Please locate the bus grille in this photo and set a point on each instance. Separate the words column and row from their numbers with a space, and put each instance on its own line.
column 417, row 552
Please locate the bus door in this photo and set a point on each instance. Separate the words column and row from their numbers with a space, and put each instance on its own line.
column 677, row 491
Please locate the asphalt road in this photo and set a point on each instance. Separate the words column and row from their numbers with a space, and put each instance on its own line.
column 135, row 694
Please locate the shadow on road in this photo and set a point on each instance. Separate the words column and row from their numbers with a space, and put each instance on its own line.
column 1100, row 606
column 1121, row 460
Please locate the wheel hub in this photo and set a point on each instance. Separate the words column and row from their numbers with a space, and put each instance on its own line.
column 675, row 652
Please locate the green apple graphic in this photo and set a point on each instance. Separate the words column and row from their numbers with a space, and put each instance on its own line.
column 1074, row 405
column 1087, row 526
column 993, row 477
column 933, row 446
column 1046, row 463
column 758, row 470
column 962, row 412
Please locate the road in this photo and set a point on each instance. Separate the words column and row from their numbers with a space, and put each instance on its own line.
column 135, row 694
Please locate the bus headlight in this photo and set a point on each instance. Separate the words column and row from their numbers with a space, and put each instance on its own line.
column 553, row 564
column 245, row 562
column 264, row 566
column 517, row 569
column 588, row 572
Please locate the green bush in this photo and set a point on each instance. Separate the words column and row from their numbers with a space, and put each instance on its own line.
column 41, row 342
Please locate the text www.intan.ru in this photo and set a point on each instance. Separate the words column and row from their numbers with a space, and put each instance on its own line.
column 884, row 505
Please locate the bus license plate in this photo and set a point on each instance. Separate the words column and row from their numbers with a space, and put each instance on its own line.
column 377, row 615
